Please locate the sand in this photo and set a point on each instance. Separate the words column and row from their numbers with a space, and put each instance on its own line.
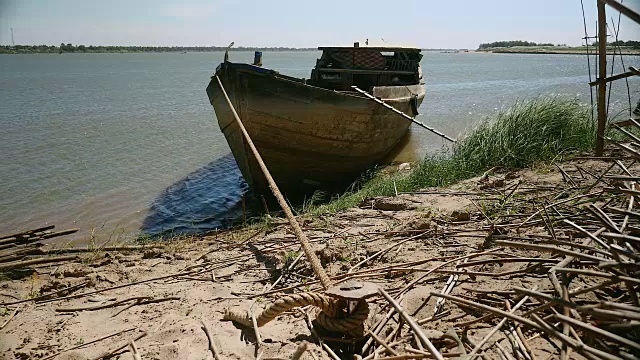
column 228, row 269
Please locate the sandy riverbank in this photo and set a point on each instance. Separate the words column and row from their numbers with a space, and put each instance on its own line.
column 159, row 296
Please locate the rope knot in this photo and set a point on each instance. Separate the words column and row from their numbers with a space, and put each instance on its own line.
column 332, row 315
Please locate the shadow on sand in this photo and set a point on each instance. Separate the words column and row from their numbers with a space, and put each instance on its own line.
column 208, row 198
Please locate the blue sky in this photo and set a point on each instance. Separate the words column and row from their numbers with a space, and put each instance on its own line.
column 301, row 23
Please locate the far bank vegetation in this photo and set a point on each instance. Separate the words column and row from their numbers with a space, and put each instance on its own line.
column 631, row 46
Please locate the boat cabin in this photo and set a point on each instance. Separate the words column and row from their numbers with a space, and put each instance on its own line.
column 365, row 67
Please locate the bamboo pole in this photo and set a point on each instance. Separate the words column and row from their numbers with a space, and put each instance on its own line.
column 623, row 9
column 306, row 246
column 602, row 68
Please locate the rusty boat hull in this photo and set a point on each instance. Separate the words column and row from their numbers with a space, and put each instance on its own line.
column 309, row 137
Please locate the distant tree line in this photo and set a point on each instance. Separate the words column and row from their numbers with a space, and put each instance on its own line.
column 70, row 48
column 630, row 43
column 504, row 44
column 501, row 44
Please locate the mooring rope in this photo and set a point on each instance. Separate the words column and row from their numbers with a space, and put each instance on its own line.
column 330, row 317
column 422, row 125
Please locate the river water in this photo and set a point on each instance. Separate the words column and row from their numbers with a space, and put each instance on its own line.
column 118, row 144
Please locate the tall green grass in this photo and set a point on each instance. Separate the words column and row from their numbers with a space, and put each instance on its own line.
column 530, row 131
column 539, row 130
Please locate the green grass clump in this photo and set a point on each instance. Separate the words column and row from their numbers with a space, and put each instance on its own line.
column 538, row 130
column 528, row 132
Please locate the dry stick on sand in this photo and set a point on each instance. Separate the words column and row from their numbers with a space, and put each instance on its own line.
column 144, row 302
column 44, row 260
column 45, row 296
column 15, row 312
column 558, row 203
column 448, row 287
column 137, row 302
column 614, row 255
column 309, row 323
column 125, row 285
column 382, row 342
column 89, row 342
column 412, row 323
column 289, row 268
column 383, row 251
column 379, row 326
column 600, row 332
column 380, row 349
column 411, row 284
column 134, row 349
column 299, row 351
column 561, row 289
column 344, row 277
column 212, row 345
column 256, row 331
column 512, row 336
column 538, row 324
column 101, row 306
column 549, row 248
column 107, row 248
column 497, row 328
column 110, row 353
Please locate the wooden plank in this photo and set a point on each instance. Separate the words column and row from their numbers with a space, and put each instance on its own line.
column 614, row 78
column 602, row 84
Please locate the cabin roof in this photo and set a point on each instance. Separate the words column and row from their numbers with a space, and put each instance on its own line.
column 372, row 48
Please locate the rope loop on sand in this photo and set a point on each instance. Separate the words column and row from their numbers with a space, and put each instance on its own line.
column 329, row 317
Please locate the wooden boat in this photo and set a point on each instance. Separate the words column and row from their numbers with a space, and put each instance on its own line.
column 319, row 132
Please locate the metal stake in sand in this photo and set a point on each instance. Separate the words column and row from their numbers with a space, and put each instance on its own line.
column 297, row 230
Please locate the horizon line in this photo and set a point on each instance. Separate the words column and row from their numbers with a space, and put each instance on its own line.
column 214, row 46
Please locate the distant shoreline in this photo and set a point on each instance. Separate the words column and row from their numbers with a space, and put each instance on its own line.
column 44, row 49
column 70, row 49
column 149, row 49
column 561, row 51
